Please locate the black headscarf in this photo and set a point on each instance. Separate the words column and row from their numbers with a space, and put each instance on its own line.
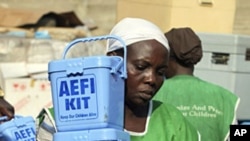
column 185, row 45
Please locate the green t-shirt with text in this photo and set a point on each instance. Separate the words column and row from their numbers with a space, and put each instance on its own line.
column 210, row 108
column 166, row 123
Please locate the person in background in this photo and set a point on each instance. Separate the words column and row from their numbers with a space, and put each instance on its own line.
column 6, row 109
column 147, row 58
column 209, row 107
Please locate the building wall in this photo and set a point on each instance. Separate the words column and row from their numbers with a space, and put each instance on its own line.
column 242, row 17
column 218, row 17
column 103, row 12
column 157, row 11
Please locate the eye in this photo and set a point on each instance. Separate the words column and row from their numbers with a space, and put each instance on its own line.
column 161, row 72
column 140, row 67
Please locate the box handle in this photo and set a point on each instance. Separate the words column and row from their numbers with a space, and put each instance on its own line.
column 105, row 37
column 17, row 123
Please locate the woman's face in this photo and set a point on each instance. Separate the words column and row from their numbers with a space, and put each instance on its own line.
column 146, row 65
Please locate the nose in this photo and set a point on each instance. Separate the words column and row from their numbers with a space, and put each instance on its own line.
column 150, row 77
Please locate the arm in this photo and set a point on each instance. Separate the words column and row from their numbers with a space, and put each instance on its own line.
column 6, row 109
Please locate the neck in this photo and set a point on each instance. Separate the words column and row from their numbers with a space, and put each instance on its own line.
column 136, row 118
column 136, row 111
column 183, row 70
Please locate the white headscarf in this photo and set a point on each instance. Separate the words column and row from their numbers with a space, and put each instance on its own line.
column 133, row 30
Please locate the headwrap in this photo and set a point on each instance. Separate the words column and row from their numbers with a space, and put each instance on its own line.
column 185, row 45
column 133, row 30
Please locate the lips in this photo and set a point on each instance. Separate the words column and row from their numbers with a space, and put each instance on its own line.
column 147, row 95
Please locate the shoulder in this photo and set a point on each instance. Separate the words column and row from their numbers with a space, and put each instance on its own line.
column 218, row 89
column 210, row 87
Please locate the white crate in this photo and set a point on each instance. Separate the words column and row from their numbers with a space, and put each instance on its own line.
column 26, row 87
column 28, row 95
column 226, row 62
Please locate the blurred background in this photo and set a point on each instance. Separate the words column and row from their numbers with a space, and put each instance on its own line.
column 34, row 32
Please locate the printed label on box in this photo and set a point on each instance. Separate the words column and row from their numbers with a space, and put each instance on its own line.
column 24, row 134
column 77, row 98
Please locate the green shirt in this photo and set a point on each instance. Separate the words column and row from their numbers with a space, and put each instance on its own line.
column 210, row 108
column 166, row 123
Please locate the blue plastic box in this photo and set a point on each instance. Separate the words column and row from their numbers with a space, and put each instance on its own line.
column 18, row 129
column 106, row 134
column 88, row 92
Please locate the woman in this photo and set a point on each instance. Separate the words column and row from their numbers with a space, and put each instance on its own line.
column 147, row 50
column 147, row 59
column 210, row 108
